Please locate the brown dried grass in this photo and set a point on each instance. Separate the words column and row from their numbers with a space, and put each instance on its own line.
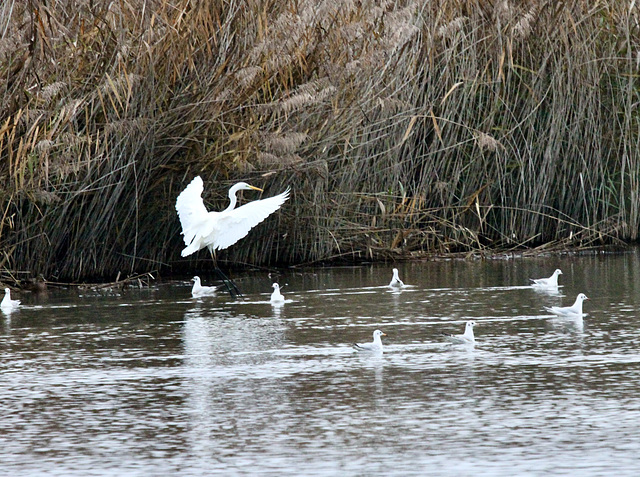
column 405, row 128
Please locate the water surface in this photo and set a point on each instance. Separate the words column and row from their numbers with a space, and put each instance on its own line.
column 153, row 382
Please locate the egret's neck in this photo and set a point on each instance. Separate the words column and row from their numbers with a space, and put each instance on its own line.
column 233, row 200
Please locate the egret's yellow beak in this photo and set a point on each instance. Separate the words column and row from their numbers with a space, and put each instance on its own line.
column 255, row 188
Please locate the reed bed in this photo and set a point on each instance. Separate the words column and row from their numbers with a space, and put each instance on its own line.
column 405, row 128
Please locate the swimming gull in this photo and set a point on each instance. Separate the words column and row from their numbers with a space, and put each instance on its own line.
column 552, row 281
column 276, row 296
column 7, row 303
column 575, row 309
column 395, row 281
column 373, row 347
column 199, row 290
column 466, row 338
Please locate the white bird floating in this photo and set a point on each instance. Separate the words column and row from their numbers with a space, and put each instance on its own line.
column 552, row 281
column 573, row 310
column 7, row 303
column 373, row 347
column 218, row 230
column 395, row 281
column 199, row 290
column 466, row 338
column 276, row 296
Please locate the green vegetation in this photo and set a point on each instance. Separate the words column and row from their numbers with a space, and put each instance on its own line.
column 404, row 127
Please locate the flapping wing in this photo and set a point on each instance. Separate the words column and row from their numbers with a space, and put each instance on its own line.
column 237, row 223
column 191, row 209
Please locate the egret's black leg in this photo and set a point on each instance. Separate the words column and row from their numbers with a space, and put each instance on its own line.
column 232, row 288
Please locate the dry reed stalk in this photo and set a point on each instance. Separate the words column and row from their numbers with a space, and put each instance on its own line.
column 405, row 128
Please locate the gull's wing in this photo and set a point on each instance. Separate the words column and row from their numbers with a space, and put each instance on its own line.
column 237, row 223
column 191, row 209
column 456, row 339
column 561, row 310
column 364, row 346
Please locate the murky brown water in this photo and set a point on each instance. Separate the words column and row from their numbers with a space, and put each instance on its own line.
column 153, row 382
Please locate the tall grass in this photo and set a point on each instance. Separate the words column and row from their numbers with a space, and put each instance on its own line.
column 404, row 127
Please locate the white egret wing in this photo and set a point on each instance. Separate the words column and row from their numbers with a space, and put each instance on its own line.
column 191, row 209
column 237, row 223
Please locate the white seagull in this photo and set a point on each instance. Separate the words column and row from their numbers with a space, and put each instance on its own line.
column 7, row 303
column 466, row 338
column 552, row 281
column 276, row 296
column 373, row 347
column 573, row 310
column 199, row 290
column 395, row 281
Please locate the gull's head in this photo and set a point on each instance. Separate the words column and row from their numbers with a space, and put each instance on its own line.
column 557, row 272
column 378, row 333
column 6, row 290
column 395, row 272
column 471, row 324
column 276, row 286
column 582, row 297
column 196, row 279
column 245, row 186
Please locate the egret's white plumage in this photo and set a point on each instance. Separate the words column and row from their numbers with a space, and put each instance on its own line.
column 552, row 281
column 219, row 230
column 7, row 303
column 276, row 296
column 199, row 290
column 575, row 309
column 395, row 281
column 466, row 338
column 375, row 346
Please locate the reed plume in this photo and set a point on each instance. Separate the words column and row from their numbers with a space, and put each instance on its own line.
column 405, row 128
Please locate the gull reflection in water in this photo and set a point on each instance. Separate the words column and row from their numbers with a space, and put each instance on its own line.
column 547, row 291
column 568, row 324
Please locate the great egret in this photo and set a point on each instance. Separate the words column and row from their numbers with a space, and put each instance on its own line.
column 373, row 347
column 395, row 281
column 466, row 338
column 7, row 303
column 276, row 296
column 199, row 290
column 575, row 309
column 218, row 230
column 552, row 281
